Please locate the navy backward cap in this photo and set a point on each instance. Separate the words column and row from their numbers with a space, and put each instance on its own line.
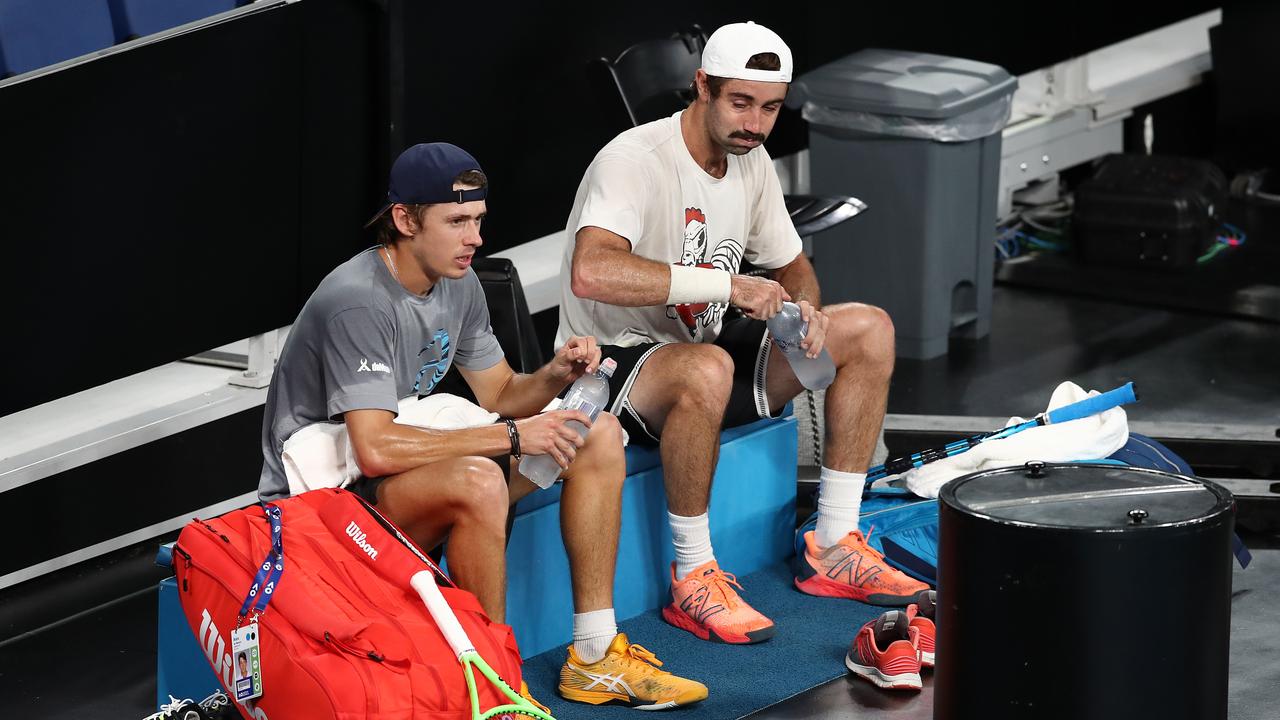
column 424, row 174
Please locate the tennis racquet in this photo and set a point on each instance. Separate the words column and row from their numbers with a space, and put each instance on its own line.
column 421, row 576
column 1084, row 408
column 424, row 582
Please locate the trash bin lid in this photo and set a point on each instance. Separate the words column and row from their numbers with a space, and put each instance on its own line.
column 1086, row 496
column 897, row 82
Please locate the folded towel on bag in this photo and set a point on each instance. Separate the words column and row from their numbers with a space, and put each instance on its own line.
column 1090, row 438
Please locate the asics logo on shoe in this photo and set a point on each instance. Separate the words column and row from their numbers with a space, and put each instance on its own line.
column 605, row 681
column 850, row 567
column 356, row 534
column 695, row 606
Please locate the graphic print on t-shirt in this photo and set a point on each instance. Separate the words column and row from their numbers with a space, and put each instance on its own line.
column 726, row 256
column 435, row 358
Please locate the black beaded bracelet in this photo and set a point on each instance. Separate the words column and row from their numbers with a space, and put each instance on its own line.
column 514, row 436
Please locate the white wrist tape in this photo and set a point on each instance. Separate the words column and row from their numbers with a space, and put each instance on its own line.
column 699, row 285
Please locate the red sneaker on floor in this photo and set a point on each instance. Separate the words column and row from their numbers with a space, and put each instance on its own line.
column 921, row 614
column 704, row 603
column 852, row 569
column 886, row 652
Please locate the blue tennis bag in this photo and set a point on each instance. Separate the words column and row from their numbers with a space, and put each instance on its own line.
column 904, row 526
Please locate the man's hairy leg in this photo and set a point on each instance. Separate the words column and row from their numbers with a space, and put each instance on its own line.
column 860, row 340
column 591, row 514
column 681, row 394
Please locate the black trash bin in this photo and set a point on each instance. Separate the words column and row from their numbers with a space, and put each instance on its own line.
column 1083, row 591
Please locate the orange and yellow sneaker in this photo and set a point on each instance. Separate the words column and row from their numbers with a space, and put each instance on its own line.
column 706, row 604
column 628, row 675
column 852, row 569
column 921, row 615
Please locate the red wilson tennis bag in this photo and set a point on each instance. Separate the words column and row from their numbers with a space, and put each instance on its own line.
column 343, row 635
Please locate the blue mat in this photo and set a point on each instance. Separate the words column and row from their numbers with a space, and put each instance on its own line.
column 813, row 637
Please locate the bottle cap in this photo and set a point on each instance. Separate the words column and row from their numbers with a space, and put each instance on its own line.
column 608, row 366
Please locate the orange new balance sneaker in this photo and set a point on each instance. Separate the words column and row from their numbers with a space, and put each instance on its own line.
column 921, row 614
column 627, row 675
column 705, row 604
column 886, row 652
column 852, row 569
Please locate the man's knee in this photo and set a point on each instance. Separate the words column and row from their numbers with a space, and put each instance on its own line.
column 603, row 455
column 605, row 435
column 704, row 375
column 480, row 485
column 860, row 333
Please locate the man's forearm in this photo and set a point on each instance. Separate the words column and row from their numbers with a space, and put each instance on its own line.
column 800, row 281
column 617, row 277
column 526, row 395
column 400, row 448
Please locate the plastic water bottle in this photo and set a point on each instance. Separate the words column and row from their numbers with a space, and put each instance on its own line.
column 788, row 329
column 590, row 394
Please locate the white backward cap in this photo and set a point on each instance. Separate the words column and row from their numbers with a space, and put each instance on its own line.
column 729, row 48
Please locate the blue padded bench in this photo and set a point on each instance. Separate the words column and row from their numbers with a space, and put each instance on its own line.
column 752, row 524
column 753, row 511
column 135, row 18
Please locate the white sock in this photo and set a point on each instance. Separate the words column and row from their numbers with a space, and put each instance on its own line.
column 839, row 497
column 692, row 538
column 592, row 633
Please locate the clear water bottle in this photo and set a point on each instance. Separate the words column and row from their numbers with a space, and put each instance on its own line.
column 788, row 329
column 590, row 394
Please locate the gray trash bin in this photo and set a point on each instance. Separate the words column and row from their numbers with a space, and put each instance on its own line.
column 917, row 136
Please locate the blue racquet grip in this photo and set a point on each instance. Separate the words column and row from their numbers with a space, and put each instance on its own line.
column 1094, row 405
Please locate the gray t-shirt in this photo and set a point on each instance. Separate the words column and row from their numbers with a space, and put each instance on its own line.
column 362, row 342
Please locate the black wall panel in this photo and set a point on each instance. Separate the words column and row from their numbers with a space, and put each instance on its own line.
column 167, row 199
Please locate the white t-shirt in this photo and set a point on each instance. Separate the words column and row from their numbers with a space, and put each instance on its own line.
column 646, row 187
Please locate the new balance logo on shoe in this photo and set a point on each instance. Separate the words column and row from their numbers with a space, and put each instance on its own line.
column 695, row 606
column 376, row 367
column 358, row 535
column 851, row 566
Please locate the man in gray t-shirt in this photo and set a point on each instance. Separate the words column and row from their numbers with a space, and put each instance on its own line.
column 387, row 324
column 363, row 342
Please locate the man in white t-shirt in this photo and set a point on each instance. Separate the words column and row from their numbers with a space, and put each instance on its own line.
column 663, row 218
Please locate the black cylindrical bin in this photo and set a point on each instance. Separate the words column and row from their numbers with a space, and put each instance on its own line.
column 1083, row 591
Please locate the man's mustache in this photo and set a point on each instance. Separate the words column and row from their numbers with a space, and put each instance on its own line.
column 743, row 134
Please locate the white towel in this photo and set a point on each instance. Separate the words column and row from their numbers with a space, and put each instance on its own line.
column 320, row 455
column 1088, row 438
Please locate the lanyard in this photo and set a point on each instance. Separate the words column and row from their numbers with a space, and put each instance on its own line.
column 269, row 571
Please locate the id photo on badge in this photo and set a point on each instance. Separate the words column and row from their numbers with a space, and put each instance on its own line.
column 246, row 667
column 244, row 674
